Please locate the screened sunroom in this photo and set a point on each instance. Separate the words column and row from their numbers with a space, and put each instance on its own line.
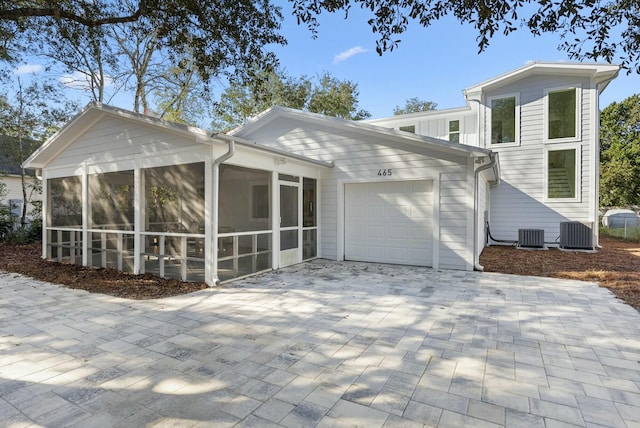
column 140, row 195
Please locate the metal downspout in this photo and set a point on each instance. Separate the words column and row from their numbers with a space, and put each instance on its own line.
column 491, row 164
column 216, row 194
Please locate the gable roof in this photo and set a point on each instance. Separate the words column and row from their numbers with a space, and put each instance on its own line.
column 601, row 73
column 9, row 166
column 409, row 140
column 94, row 112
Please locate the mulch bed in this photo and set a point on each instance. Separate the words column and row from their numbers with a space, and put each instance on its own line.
column 615, row 266
column 26, row 260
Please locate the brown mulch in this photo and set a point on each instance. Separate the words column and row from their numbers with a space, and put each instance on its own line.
column 26, row 260
column 615, row 266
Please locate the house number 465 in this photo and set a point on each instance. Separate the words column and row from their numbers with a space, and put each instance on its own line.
column 384, row 172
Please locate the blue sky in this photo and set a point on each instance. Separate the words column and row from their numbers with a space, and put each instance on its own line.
column 433, row 64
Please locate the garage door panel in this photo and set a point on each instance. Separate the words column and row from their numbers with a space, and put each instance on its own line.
column 389, row 222
column 421, row 212
column 375, row 231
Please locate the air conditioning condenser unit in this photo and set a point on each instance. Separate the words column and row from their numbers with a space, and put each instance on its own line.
column 575, row 235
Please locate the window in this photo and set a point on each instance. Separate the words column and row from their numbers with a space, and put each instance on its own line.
column 562, row 174
column 504, row 120
column 16, row 207
column 562, row 114
column 454, row 131
column 309, row 219
column 408, row 128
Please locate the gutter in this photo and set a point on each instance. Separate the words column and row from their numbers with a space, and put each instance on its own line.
column 492, row 163
column 216, row 206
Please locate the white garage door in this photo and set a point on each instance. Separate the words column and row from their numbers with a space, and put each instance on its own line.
column 389, row 222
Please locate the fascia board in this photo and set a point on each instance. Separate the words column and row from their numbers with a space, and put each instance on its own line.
column 63, row 137
column 556, row 68
column 88, row 117
column 419, row 115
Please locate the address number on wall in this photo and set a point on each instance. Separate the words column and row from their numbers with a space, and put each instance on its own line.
column 384, row 172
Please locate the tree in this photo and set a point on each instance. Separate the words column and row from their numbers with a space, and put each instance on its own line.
column 221, row 39
column 414, row 105
column 608, row 30
column 327, row 95
column 27, row 119
column 620, row 153
column 338, row 98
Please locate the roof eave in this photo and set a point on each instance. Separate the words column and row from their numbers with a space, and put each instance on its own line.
column 95, row 111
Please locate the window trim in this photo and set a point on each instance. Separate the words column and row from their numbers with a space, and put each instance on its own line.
column 578, row 169
column 458, row 133
column 515, row 143
column 545, row 124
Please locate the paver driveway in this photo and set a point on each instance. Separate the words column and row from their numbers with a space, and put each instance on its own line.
column 326, row 344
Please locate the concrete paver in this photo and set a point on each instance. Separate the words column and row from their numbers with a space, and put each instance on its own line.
column 323, row 344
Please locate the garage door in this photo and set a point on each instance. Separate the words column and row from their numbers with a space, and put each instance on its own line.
column 389, row 222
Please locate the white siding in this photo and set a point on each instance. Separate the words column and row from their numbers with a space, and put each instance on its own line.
column 14, row 187
column 115, row 138
column 518, row 202
column 14, row 190
column 482, row 208
column 454, row 208
column 358, row 159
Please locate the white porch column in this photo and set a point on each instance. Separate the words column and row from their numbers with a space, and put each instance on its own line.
column 46, row 218
column 212, row 257
column 275, row 215
column 138, row 210
column 210, row 200
column 85, row 215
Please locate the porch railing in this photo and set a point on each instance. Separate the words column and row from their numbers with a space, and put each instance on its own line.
column 243, row 253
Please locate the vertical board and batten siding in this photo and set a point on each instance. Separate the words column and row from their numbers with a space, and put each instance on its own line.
column 518, row 202
column 358, row 158
column 114, row 138
column 438, row 127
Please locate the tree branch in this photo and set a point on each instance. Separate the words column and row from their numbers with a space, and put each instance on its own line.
column 57, row 13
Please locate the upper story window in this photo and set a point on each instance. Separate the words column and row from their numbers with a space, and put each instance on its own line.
column 505, row 117
column 408, row 128
column 562, row 173
column 562, row 114
column 454, row 131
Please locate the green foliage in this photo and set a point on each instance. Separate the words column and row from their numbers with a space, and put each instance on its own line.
column 414, row 105
column 327, row 95
column 608, row 30
column 620, row 153
column 223, row 38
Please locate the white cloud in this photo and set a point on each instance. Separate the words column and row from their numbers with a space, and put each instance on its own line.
column 27, row 69
column 343, row 56
column 79, row 80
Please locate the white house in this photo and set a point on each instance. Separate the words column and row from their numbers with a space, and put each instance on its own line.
column 543, row 122
column 10, row 176
column 139, row 194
